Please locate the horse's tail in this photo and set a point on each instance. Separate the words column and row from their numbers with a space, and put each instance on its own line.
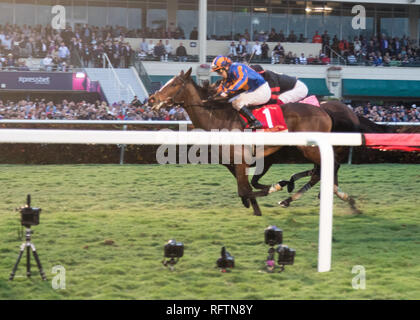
column 367, row 126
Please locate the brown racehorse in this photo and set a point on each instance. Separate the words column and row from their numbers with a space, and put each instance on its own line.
column 299, row 117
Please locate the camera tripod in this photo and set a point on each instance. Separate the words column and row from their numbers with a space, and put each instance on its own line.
column 28, row 245
column 172, row 262
column 271, row 263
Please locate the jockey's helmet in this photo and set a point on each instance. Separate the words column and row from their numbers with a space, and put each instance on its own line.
column 220, row 62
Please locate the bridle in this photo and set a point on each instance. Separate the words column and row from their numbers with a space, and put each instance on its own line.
column 179, row 91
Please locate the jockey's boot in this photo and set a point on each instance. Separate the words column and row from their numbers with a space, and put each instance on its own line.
column 253, row 122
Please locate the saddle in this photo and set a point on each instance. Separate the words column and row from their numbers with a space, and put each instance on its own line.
column 271, row 115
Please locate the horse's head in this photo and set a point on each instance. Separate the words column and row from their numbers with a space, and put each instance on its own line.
column 173, row 92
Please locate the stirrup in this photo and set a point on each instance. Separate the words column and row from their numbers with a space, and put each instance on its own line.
column 256, row 124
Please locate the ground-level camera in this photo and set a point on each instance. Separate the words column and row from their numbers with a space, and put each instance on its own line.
column 29, row 216
column 173, row 250
column 286, row 255
column 226, row 260
column 274, row 236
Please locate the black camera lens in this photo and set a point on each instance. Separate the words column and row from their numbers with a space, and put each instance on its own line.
column 174, row 249
column 286, row 255
column 273, row 235
column 29, row 215
column 226, row 260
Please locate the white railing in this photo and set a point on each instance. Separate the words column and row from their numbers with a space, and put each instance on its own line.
column 399, row 123
column 104, row 122
column 148, row 122
column 325, row 142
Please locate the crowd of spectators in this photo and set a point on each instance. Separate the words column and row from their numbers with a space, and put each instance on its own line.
column 244, row 50
column 60, row 49
column 82, row 110
column 163, row 52
column 85, row 45
column 374, row 51
column 137, row 110
column 390, row 113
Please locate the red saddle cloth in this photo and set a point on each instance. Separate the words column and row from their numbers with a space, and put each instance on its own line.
column 271, row 115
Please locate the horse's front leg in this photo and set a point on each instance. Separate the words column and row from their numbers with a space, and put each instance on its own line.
column 268, row 162
column 231, row 168
column 244, row 188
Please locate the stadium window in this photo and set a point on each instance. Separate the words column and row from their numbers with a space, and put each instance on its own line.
column 210, row 22
column 278, row 19
column 6, row 12
column 241, row 21
column 296, row 18
column 332, row 19
column 98, row 13
column 157, row 16
column 79, row 12
column 43, row 13
column 242, row 3
column 135, row 12
column 259, row 22
column 24, row 12
column 418, row 32
column 400, row 22
column 117, row 13
column 315, row 18
column 221, row 20
column 187, row 18
column 384, row 20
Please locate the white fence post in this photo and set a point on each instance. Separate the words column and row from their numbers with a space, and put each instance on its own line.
column 326, row 205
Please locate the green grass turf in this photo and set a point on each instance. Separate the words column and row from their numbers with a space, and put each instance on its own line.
column 140, row 207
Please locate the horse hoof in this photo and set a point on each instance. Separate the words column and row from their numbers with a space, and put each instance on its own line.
column 353, row 207
column 283, row 183
column 284, row 204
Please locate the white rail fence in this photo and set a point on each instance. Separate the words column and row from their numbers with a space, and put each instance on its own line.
column 152, row 123
column 325, row 142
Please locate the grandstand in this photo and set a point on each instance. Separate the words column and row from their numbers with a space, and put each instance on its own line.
column 105, row 41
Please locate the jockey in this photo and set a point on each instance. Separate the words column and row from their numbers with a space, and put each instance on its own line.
column 238, row 76
column 284, row 89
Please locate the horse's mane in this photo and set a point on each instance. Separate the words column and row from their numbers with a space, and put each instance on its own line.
column 205, row 93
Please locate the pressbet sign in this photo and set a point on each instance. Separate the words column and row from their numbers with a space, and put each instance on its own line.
column 35, row 80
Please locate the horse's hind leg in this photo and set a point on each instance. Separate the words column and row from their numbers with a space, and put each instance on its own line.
column 314, row 180
column 297, row 176
column 343, row 195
